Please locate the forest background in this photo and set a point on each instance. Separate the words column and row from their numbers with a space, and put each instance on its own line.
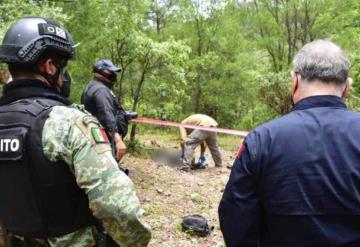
column 228, row 59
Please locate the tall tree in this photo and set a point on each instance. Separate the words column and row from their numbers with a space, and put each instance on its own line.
column 152, row 58
column 282, row 26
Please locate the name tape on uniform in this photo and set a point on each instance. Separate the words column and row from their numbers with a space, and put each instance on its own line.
column 12, row 142
column 9, row 145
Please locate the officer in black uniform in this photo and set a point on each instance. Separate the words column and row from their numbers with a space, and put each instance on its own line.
column 100, row 101
column 296, row 180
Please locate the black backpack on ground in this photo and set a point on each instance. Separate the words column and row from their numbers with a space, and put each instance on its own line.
column 196, row 224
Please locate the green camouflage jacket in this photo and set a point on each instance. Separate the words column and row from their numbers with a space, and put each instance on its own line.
column 67, row 136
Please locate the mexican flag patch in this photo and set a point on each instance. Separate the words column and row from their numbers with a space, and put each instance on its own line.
column 99, row 135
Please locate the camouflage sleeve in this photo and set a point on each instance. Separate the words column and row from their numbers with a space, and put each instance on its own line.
column 67, row 136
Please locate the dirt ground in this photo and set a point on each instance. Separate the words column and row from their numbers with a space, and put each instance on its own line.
column 167, row 194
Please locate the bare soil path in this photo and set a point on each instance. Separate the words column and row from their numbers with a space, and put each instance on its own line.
column 167, row 194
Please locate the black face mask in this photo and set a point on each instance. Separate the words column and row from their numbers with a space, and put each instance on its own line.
column 60, row 71
column 112, row 76
column 65, row 89
column 52, row 79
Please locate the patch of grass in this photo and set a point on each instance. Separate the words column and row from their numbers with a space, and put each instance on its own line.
column 189, row 231
column 168, row 134
column 133, row 146
column 229, row 142
column 152, row 209
column 178, row 227
column 171, row 135
column 203, row 207
column 196, row 198
column 164, row 132
column 136, row 148
column 150, row 184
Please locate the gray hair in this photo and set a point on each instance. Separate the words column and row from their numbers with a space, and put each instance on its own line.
column 322, row 60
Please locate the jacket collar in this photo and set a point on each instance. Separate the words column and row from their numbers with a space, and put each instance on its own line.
column 319, row 101
column 97, row 80
column 30, row 88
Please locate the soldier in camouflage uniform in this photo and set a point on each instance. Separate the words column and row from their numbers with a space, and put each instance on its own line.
column 56, row 167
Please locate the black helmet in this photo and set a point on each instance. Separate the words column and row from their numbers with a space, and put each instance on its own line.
column 29, row 37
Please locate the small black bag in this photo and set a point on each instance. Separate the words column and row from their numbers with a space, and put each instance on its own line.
column 196, row 224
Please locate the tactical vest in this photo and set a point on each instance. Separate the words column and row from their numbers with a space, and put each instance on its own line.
column 38, row 197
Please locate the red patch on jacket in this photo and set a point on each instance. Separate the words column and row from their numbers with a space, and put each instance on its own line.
column 240, row 151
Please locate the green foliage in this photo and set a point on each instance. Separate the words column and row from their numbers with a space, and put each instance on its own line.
column 11, row 10
column 282, row 27
column 275, row 91
column 133, row 146
column 228, row 59
column 257, row 115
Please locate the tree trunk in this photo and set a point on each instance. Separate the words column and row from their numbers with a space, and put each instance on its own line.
column 157, row 24
column 136, row 99
column 120, row 84
column 198, row 91
column 157, row 17
column 133, row 132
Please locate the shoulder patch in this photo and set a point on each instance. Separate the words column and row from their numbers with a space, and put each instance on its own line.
column 88, row 119
column 92, row 132
column 99, row 135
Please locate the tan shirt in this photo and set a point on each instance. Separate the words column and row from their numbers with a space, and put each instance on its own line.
column 198, row 120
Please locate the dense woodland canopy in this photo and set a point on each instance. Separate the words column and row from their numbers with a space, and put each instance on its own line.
column 228, row 59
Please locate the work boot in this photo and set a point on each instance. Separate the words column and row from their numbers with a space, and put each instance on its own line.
column 199, row 165
column 184, row 168
column 204, row 163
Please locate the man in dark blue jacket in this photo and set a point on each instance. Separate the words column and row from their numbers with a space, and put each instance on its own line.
column 296, row 179
column 100, row 101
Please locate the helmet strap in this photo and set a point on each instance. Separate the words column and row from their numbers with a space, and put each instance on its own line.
column 52, row 79
column 65, row 88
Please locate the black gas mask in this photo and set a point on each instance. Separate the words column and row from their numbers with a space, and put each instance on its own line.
column 110, row 75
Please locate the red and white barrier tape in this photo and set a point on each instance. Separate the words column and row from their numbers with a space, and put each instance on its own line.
column 188, row 126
